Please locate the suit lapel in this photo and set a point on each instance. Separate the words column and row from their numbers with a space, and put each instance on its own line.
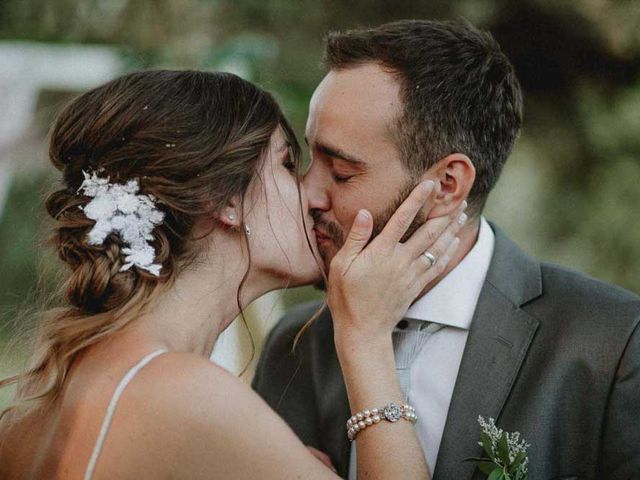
column 499, row 339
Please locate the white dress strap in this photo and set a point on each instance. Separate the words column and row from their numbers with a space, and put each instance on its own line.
column 112, row 407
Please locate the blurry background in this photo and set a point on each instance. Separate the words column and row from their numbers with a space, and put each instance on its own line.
column 569, row 194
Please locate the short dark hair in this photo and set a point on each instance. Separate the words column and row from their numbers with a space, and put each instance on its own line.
column 459, row 92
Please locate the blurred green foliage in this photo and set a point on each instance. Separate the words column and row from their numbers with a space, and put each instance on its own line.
column 571, row 191
column 23, row 252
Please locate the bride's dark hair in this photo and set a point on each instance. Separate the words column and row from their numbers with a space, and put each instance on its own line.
column 194, row 140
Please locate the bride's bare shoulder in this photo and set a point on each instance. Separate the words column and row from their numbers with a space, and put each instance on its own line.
column 193, row 410
column 187, row 380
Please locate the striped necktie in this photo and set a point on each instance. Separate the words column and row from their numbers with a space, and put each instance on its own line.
column 409, row 336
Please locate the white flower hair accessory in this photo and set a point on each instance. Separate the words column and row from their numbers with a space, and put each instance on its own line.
column 120, row 209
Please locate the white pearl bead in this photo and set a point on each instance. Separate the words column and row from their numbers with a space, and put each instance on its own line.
column 353, row 419
column 366, row 413
column 375, row 411
column 359, row 416
column 349, row 423
column 376, row 419
column 362, row 425
column 368, row 421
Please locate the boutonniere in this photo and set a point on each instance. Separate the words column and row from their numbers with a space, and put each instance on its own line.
column 507, row 453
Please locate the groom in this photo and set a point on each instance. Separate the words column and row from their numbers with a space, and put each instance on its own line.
column 545, row 351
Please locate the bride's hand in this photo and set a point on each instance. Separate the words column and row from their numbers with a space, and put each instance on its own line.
column 371, row 286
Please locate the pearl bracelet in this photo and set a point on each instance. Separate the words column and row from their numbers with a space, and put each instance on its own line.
column 390, row 412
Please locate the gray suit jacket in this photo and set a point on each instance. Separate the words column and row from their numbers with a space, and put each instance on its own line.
column 551, row 353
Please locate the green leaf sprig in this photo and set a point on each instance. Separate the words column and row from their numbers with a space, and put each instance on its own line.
column 506, row 453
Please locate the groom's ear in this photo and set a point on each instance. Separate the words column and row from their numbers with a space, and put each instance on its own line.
column 453, row 176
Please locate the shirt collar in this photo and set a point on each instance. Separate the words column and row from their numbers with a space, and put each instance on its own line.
column 452, row 301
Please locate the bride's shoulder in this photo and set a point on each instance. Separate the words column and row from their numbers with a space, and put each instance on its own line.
column 188, row 380
column 199, row 420
column 179, row 398
column 179, row 393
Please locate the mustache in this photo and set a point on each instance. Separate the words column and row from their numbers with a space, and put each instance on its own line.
column 330, row 229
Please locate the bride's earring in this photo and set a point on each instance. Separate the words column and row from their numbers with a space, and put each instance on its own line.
column 247, row 229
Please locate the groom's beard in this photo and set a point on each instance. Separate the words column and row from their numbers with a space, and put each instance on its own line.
column 338, row 235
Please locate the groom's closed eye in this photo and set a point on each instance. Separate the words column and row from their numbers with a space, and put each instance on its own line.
column 343, row 166
column 340, row 172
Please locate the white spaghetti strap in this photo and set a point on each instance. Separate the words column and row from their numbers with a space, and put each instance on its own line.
column 112, row 407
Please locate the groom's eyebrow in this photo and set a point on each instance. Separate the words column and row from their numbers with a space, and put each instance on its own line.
column 335, row 152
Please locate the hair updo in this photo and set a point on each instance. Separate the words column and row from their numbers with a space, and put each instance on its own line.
column 193, row 140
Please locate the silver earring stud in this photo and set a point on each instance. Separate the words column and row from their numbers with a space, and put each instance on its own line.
column 247, row 229
column 231, row 217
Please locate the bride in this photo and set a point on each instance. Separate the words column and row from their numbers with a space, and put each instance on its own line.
column 180, row 203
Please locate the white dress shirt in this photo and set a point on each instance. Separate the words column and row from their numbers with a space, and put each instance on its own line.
column 451, row 303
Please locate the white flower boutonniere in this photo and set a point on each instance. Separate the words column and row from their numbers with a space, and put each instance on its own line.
column 507, row 453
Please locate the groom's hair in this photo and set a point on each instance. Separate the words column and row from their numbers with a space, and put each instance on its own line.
column 459, row 92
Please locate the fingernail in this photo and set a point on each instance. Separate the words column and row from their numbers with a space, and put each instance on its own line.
column 428, row 186
column 362, row 217
column 462, row 218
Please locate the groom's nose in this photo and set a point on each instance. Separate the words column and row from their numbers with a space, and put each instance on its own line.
column 316, row 184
